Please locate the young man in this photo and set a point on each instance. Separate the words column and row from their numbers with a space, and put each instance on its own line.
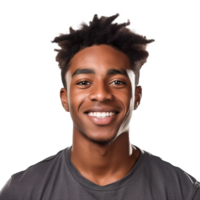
column 100, row 66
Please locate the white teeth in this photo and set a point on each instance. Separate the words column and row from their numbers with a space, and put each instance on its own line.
column 101, row 114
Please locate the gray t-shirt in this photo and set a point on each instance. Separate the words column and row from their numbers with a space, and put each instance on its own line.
column 56, row 178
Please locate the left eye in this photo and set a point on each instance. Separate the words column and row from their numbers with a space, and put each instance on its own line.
column 117, row 82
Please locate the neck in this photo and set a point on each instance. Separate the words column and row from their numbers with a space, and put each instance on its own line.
column 102, row 164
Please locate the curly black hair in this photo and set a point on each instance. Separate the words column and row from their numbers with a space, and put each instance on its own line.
column 102, row 31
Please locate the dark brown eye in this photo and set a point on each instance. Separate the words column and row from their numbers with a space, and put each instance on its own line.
column 83, row 83
column 118, row 82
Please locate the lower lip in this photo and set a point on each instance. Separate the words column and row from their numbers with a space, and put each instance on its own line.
column 101, row 121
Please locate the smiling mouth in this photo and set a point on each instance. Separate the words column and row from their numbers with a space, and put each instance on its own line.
column 101, row 115
column 101, row 118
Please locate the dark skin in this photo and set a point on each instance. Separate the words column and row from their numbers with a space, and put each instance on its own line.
column 96, row 152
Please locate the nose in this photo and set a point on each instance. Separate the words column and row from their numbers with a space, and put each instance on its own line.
column 100, row 92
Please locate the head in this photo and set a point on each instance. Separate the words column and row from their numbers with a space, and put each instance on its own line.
column 100, row 66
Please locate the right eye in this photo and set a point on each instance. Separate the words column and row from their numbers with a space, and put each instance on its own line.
column 83, row 83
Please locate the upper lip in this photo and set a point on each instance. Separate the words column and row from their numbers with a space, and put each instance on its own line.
column 101, row 109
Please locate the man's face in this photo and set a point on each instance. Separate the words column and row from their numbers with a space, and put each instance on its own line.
column 100, row 93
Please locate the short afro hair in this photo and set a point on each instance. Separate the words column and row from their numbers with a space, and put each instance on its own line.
column 102, row 31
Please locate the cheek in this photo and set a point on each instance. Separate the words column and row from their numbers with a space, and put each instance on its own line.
column 77, row 97
column 125, row 98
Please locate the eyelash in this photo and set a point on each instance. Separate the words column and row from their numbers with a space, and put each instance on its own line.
column 88, row 82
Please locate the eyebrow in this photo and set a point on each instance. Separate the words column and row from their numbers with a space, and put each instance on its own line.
column 91, row 71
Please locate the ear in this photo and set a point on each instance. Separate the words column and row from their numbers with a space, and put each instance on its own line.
column 138, row 96
column 64, row 100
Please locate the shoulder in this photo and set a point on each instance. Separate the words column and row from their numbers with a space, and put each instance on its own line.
column 33, row 178
column 168, row 177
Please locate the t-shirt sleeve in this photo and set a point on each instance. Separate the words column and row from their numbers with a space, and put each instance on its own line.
column 8, row 191
column 197, row 195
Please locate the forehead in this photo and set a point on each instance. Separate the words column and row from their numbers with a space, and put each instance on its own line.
column 101, row 58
